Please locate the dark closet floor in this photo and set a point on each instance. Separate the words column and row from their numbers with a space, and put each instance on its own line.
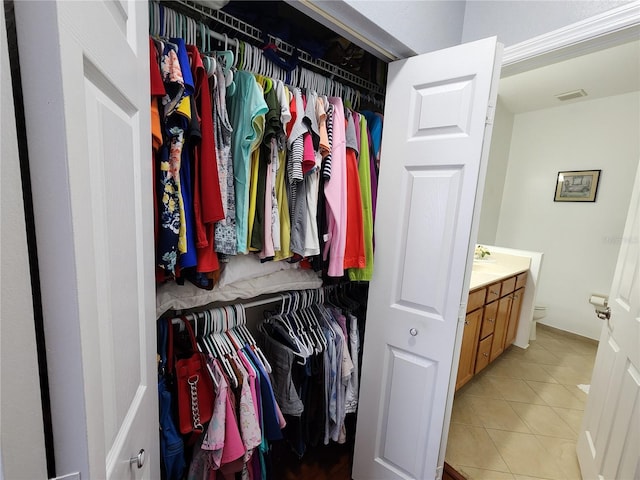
column 324, row 462
column 328, row 462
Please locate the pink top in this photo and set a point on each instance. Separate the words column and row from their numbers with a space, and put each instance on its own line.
column 335, row 191
column 233, row 446
column 249, row 426
column 222, row 436
column 268, row 250
column 308, row 154
column 252, row 380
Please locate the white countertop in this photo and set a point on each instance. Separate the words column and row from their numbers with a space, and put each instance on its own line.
column 497, row 266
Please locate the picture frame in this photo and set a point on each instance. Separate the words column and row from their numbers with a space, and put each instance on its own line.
column 577, row 186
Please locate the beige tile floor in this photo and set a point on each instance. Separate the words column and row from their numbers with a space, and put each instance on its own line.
column 519, row 418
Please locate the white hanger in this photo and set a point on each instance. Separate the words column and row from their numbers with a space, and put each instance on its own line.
column 252, row 342
column 165, row 21
column 236, row 56
column 248, row 57
column 195, row 333
column 194, row 30
column 172, row 23
column 262, row 62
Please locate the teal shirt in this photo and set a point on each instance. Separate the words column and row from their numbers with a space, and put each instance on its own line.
column 247, row 110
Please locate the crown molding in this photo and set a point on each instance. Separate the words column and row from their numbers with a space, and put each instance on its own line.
column 613, row 27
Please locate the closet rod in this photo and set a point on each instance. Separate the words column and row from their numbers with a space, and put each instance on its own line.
column 229, row 21
column 255, row 303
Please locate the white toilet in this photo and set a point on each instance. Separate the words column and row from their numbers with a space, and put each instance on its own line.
column 539, row 311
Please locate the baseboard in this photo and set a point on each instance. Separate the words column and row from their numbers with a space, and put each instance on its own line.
column 451, row 473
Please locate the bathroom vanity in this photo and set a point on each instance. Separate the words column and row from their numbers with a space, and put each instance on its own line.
column 494, row 306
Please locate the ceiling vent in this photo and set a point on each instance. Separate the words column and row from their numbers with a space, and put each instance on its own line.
column 571, row 95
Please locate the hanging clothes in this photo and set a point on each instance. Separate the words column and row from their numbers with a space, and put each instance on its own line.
column 335, row 190
column 364, row 173
column 247, row 110
column 225, row 230
column 207, row 201
column 250, row 166
column 354, row 256
column 315, row 353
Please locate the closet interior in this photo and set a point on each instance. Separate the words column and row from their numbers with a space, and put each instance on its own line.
column 266, row 131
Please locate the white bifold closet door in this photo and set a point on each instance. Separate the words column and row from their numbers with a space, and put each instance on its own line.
column 437, row 128
column 85, row 70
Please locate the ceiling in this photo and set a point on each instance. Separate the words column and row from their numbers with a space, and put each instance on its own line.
column 612, row 71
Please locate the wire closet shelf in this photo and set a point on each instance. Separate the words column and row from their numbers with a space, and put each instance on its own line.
column 229, row 22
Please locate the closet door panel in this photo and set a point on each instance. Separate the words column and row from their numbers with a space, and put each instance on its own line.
column 86, row 88
column 436, row 109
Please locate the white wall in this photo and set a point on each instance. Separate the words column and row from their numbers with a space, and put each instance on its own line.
column 403, row 27
column 496, row 173
column 516, row 21
column 21, row 428
column 580, row 241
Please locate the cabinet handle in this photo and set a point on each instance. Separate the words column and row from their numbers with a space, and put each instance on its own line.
column 485, row 354
column 494, row 293
column 491, row 320
column 466, row 322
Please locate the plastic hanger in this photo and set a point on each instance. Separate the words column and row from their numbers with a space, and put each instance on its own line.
column 246, row 58
column 314, row 329
column 251, row 341
column 225, row 57
column 162, row 20
column 225, row 362
column 196, row 326
column 152, row 26
column 165, row 21
column 218, row 345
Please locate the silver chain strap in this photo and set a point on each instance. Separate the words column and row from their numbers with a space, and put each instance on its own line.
column 195, row 409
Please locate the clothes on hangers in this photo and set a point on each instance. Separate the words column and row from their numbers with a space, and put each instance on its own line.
column 315, row 350
column 250, row 164
column 364, row 273
column 246, row 416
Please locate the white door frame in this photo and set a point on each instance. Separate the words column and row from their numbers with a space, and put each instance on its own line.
column 22, row 441
column 608, row 29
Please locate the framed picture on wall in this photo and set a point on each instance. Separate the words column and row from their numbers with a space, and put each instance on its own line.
column 578, row 186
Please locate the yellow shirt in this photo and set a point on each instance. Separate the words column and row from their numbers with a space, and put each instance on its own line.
column 283, row 209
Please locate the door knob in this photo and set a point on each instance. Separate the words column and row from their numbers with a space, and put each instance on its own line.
column 413, row 332
column 138, row 459
column 604, row 314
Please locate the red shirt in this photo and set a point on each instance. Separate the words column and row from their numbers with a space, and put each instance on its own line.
column 354, row 253
column 207, row 200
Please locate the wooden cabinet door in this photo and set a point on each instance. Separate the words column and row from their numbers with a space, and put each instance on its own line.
column 489, row 319
column 514, row 316
column 476, row 299
column 502, row 320
column 508, row 286
column 469, row 347
column 493, row 292
column 484, row 350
